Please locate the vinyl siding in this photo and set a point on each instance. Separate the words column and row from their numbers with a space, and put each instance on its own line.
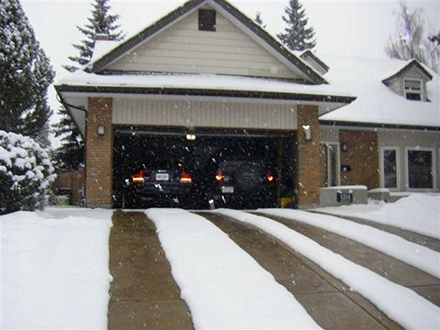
column 181, row 113
column 182, row 48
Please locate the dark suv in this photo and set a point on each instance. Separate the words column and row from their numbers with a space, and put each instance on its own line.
column 243, row 184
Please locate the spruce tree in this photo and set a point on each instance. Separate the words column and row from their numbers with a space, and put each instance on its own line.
column 25, row 75
column 71, row 153
column 297, row 35
column 259, row 20
column 101, row 22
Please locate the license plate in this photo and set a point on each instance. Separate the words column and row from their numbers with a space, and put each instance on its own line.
column 162, row 177
column 227, row 189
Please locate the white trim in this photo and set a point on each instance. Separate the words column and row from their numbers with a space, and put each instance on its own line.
column 382, row 169
column 422, row 99
column 433, row 169
column 338, row 160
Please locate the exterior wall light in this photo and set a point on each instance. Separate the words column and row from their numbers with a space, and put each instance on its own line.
column 101, row 130
column 190, row 137
column 307, row 132
column 344, row 147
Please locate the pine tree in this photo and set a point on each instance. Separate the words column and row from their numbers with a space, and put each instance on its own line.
column 101, row 22
column 71, row 153
column 297, row 35
column 259, row 20
column 25, row 75
column 410, row 40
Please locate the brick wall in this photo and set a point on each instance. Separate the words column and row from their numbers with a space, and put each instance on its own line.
column 307, row 158
column 73, row 180
column 99, row 153
column 362, row 156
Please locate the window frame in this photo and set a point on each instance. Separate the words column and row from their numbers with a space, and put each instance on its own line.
column 405, row 91
column 433, row 168
column 382, row 167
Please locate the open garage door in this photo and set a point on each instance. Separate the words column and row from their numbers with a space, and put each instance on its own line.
column 203, row 169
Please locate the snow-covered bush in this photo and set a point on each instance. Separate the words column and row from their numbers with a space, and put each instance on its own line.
column 26, row 173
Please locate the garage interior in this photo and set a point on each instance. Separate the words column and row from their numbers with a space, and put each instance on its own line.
column 200, row 150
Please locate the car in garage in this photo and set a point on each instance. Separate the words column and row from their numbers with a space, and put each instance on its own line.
column 168, row 181
column 240, row 181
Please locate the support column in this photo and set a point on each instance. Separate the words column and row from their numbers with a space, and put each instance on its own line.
column 99, row 153
column 307, row 158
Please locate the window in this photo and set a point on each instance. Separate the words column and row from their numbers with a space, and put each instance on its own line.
column 412, row 89
column 420, row 169
column 207, row 20
column 390, row 167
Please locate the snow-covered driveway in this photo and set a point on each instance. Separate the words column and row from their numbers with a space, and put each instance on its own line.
column 233, row 269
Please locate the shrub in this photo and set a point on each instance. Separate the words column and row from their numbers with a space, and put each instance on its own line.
column 26, row 173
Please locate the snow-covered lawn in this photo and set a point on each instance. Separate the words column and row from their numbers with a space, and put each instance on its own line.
column 223, row 286
column 54, row 269
column 419, row 213
column 401, row 304
column 392, row 245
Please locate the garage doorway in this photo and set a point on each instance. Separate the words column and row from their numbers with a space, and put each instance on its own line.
column 136, row 149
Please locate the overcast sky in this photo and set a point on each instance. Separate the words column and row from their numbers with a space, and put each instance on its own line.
column 355, row 28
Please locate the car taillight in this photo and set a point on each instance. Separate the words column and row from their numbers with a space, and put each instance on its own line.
column 185, row 177
column 138, row 177
column 219, row 175
column 269, row 176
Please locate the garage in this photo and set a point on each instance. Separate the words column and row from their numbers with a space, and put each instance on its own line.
column 223, row 167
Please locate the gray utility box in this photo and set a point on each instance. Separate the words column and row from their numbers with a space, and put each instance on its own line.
column 342, row 195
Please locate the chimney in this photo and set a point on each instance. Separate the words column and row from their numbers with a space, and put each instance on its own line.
column 102, row 36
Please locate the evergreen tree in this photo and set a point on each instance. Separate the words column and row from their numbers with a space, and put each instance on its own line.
column 101, row 22
column 297, row 35
column 25, row 75
column 71, row 153
column 259, row 20
column 410, row 40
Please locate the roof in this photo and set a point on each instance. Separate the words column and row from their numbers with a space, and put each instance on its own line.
column 308, row 53
column 376, row 103
column 102, row 61
column 200, row 84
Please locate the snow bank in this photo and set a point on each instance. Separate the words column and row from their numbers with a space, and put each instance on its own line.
column 401, row 304
column 55, row 272
column 222, row 285
column 419, row 213
column 392, row 245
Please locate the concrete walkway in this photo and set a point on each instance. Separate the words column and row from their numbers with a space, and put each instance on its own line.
column 429, row 242
column 143, row 293
column 395, row 270
column 325, row 298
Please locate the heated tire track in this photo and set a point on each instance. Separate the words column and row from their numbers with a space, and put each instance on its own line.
column 325, row 298
column 395, row 270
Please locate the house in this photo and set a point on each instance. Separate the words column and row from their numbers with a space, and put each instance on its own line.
column 208, row 72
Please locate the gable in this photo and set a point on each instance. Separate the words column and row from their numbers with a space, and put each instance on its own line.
column 410, row 72
column 183, row 48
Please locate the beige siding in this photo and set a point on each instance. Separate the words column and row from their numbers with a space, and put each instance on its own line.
column 204, row 114
column 183, row 48
column 411, row 139
column 328, row 134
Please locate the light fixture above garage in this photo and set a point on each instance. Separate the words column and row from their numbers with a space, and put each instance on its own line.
column 307, row 132
column 101, row 130
column 191, row 137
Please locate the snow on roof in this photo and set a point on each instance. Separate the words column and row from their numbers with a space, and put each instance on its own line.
column 376, row 103
column 103, row 47
column 199, row 81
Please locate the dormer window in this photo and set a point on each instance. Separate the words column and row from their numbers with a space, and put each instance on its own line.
column 412, row 89
column 207, row 20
